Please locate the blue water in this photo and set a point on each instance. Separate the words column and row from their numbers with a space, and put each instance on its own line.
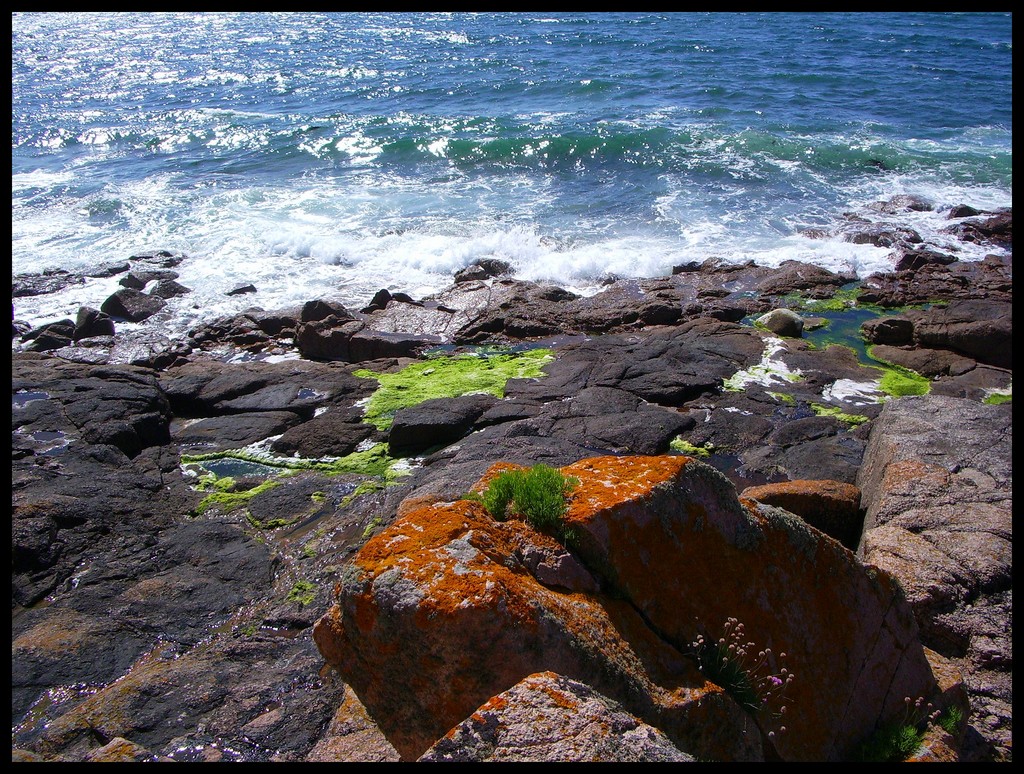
column 330, row 155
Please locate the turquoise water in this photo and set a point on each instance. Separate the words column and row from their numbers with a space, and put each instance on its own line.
column 330, row 155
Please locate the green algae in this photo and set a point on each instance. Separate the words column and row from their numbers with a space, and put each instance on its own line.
column 685, row 447
column 898, row 381
column 230, row 501
column 997, row 398
column 830, row 411
column 782, row 397
column 380, row 469
column 373, row 462
column 448, row 377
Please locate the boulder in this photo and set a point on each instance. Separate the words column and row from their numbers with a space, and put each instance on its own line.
column 435, row 422
column 335, row 433
column 888, row 330
column 676, row 556
column 784, row 322
column 937, row 492
column 139, row 278
column 92, row 322
column 550, row 718
column 132, row 305
column 168, row 288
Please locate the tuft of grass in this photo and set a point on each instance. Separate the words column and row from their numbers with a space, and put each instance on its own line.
column 302, row 592
column 744, row 672
column 899, row 739
column 539, row 495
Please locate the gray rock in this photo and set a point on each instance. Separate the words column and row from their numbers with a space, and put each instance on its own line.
column 784, row 322
column 937, row 490
column 551, row 718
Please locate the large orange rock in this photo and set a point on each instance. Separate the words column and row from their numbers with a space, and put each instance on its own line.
column 442, row 611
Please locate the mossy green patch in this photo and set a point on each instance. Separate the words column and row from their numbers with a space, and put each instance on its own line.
column 830, row 411
column 230, row 501
column 302, row 592
column 448, row 377
column 685, row 447
column 997, row 397
column 782, row 397
column 898, row 381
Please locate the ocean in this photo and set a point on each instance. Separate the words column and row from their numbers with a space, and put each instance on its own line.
column 331, row 155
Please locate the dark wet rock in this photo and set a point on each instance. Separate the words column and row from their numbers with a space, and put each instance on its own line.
column 326, row 339
column 49, row 336
column 962, row 211
column 234, row 430
column 120, row 406
column 436, row 422
column 990, row 278
column 902, row 203
column 888, row 330
column 485, row 268
column 862, row 232
column 206, row 388
column 50, row 281
column 810, row 280
column 313, row 311
column 996, row 230
column 930, row 363
column 368, row 344
column 132, row 305
column 160, row 259
column 137, row 279
column 108, row 269
column 978, row 328
column 241, row 290
column 912, row 260
column 92, row 322
column 335, row 433
column 168, row 288
column 379, row 301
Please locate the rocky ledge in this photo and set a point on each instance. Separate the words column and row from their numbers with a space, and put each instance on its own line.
column 253, row 544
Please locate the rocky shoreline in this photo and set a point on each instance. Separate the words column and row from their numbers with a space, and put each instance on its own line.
column 234, row 546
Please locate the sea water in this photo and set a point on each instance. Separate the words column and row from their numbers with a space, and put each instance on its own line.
column 330, row 155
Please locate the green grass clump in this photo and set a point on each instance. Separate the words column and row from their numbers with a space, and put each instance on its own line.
column 302, row 592
column 539, row 495
column 448, row 377
column 892, row 743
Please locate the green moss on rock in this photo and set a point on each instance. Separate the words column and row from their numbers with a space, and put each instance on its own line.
column 448, row 377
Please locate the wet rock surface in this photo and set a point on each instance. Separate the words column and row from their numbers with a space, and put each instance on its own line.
column 163, row 607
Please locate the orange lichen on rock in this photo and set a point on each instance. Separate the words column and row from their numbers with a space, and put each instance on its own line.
column 444, row 604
